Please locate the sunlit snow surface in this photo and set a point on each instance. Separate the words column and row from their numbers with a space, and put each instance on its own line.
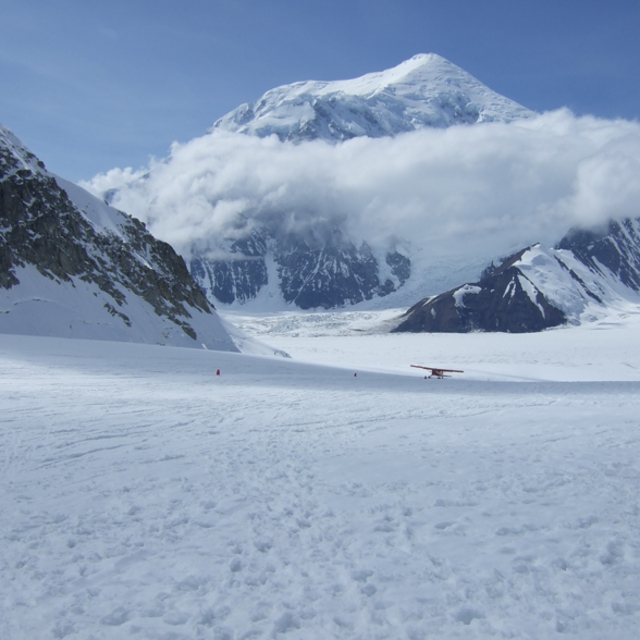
column 145, row 496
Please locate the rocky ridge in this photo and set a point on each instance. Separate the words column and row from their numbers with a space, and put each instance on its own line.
column 586, row 274
column 330, row 272
column 125, row 283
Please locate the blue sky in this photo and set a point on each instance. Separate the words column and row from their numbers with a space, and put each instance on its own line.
column 90, row 86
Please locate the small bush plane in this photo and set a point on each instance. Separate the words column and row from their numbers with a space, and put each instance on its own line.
column 437, row 372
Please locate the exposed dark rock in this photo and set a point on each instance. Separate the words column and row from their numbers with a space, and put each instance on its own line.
column 317, row 269
column 504, row 300
column 40, row 226
column 616, row 248
column 233, row 279
column 329, row 277
column 400, row 266
column 580, row 281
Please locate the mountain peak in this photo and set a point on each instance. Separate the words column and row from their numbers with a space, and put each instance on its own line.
column 425, row 91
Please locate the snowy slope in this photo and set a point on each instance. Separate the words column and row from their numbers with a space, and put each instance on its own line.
column 425, row 91
column 72, row 266
column 145, row 496
column 588, row 276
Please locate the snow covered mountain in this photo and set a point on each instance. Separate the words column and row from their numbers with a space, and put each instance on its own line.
column 535, row 288
column 324, row 266
column 402, row 184
column 72, row 266
column 425, row 91
column 585, row 276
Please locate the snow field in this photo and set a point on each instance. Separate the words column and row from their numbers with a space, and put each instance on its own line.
column 145, row 496
column 597, row 351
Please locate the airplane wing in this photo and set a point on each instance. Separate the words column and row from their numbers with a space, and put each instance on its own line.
column 434, row 369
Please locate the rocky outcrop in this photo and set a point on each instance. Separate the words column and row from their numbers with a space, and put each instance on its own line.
column 320, row 272
column 41, row 227
column 240, row 276
column 503, row 300
column 615, row 249
column 588, row 274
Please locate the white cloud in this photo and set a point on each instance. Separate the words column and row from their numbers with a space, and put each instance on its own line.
column 482, row 190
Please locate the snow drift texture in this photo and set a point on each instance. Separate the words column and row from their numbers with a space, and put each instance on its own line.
column 285, row 500
column 375, row 163
column 71, row 266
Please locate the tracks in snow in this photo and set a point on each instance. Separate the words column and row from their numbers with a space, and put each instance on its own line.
column 163, row 506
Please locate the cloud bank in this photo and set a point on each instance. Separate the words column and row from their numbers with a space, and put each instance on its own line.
column 485, row 189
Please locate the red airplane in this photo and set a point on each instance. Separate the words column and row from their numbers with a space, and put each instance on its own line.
column 437, row 372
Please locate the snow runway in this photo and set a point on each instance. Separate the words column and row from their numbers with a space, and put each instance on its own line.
column 143, row 495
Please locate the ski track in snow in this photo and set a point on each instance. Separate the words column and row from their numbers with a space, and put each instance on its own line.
column 144, row 496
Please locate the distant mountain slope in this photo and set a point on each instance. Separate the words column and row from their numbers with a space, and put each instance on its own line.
column 380, row 190
column 71, row 266
column 425, row 91
column 325, row 271
column 538, row 288
column 327, row 268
